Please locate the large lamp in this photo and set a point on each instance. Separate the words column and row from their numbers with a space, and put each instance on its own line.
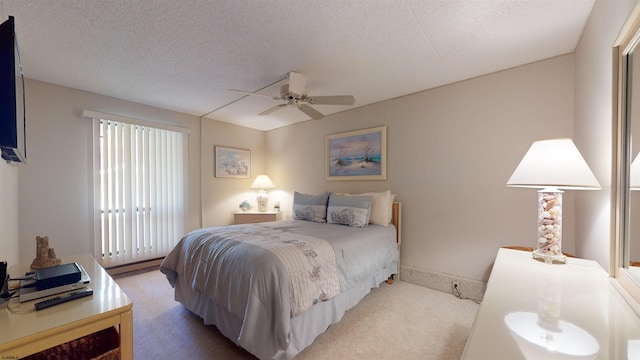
column 262, row 182
column 552, row 165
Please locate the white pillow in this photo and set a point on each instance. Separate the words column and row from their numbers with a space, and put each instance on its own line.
column 381, row 206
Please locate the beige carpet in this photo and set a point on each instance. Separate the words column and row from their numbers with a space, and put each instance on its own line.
column 398, row 321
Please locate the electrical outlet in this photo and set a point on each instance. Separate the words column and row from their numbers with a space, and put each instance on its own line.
column 455, row 287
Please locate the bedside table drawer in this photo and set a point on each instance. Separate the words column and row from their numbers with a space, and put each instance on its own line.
column 251, row 218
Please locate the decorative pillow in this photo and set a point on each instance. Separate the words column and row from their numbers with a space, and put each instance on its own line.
column 310, row 207
column 381, row 206
column 349, row 210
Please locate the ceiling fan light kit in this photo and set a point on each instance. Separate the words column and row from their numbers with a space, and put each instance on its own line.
column 294, row 93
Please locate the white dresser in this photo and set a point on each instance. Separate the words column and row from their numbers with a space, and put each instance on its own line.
column 533, row 310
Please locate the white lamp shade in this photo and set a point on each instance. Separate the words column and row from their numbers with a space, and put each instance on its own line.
column 554, row 163
column 634, row 174
column 262, row 182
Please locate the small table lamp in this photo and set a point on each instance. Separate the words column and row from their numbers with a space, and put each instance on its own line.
column 262, row 182
column 552, row 165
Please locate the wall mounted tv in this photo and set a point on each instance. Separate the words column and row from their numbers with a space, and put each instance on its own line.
column 12, row 96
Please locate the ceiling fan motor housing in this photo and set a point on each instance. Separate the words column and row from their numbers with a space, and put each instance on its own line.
column 285, row 94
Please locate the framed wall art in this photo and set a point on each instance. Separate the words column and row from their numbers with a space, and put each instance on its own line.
column 232, row 163
column 357, row 155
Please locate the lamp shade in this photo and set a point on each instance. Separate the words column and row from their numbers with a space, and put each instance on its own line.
column 634, row 174
column 262, row 182
column 555, row 163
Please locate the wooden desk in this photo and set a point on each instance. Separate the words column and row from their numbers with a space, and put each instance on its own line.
column 24, row 331
column 533, row 310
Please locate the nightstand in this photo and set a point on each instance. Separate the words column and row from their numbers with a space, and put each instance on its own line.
column 248, row 217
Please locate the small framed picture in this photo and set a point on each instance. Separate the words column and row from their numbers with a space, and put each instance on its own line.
column 357, row 155
column 232, row 163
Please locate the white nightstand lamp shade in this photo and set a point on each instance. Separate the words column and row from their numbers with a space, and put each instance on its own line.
column 634, row 174
column 552, row 165
column 262, row 182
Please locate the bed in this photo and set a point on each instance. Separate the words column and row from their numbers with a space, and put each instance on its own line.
column 273, row 287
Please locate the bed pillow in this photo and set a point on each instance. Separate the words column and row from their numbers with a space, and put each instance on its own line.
column 349, row 210
column 310, row 207
column 381, row 206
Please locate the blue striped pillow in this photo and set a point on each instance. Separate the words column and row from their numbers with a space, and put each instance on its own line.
column 349, row 210
column 310, row 207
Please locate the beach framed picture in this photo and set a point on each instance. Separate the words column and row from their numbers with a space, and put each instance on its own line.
column 232, row 163
column 357, row 155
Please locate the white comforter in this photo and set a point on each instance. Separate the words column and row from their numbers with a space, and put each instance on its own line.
column 242, row 268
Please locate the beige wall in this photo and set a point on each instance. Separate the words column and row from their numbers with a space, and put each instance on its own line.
column 54, row 183
column 8, row 213
column 450, row 152
column 221, row 196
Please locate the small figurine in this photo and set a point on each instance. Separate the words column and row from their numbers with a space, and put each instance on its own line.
column 244, row 206
column 45, row 256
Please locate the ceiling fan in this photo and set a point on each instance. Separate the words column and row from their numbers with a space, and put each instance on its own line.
column 295, row 95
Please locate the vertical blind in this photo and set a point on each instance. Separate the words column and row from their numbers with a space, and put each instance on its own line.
column 140, row 191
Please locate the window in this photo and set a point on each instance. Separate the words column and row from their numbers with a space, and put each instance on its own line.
column 140, row 189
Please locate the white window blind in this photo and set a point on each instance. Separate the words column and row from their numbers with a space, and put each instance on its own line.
column 140, row 194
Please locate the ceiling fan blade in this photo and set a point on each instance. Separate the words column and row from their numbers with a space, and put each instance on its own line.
column 297, row 83
column 313, row 113
column 272, row 109
column 332, row 100
column 256, row 94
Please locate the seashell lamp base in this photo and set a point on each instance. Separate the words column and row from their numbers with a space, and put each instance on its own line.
column 549, row 259
column 549, row 248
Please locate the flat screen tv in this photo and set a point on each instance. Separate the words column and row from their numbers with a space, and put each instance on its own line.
column 12, row 96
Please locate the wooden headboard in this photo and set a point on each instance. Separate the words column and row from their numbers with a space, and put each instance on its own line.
column 395, row 219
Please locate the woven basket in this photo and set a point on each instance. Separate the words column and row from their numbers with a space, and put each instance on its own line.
column 103, row 345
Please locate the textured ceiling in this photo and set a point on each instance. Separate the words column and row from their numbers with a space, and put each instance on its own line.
column 184, row 55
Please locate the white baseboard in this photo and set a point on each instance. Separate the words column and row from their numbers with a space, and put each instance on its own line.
column 468, row 288
column 130, row 269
